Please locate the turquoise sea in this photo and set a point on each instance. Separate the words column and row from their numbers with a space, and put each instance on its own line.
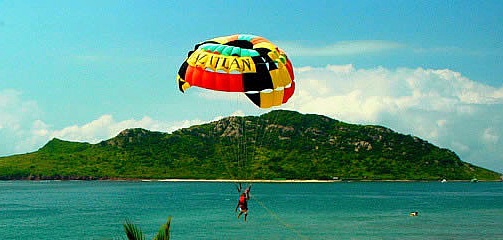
column 205, row 210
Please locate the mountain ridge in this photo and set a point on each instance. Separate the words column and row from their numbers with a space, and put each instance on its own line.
column 278, row 144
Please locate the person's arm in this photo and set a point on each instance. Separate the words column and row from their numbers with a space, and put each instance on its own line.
column 248, row 193
column 235, row 210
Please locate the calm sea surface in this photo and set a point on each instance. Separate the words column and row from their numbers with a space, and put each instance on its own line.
column 97, row 209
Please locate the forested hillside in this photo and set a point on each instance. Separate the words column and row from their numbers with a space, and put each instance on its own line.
column 279, row 144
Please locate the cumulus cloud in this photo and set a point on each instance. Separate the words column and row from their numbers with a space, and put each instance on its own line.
column 102, row 128
column 106, row 127
column 22, row 130
column 439, row 105
column 15, row 114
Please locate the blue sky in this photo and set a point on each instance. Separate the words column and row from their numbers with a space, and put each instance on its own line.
column 85, row 70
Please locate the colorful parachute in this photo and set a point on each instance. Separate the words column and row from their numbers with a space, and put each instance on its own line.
column 240, row 63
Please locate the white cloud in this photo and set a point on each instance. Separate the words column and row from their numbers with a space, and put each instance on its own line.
column 13, row 109
column 102, row 128
column 439, row 105
column 106, row 127
column 15, row 113
column 21, row 129
column 382, row 90
column 491, row 136
column 343, row 48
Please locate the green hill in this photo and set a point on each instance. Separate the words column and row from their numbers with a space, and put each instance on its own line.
column 279, row 144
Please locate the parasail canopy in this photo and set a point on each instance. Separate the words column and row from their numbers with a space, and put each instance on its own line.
column 240, row 63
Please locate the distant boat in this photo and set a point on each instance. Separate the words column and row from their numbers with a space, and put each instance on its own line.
column 443, row 180
column 474, row 180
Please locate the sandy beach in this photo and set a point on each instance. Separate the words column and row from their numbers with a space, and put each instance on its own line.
column 239, row 181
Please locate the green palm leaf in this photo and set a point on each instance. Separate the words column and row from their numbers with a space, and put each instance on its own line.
column 163, row 233
column 132, row 231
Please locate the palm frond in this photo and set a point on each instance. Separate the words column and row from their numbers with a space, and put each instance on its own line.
column 164, row 231
column 132, row 231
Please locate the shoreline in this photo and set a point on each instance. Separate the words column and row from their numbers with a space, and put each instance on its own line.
column 235, row 180
column 293, row 180
column 240, row 181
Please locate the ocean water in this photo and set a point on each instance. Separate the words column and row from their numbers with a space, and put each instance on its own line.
column 205, row 210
